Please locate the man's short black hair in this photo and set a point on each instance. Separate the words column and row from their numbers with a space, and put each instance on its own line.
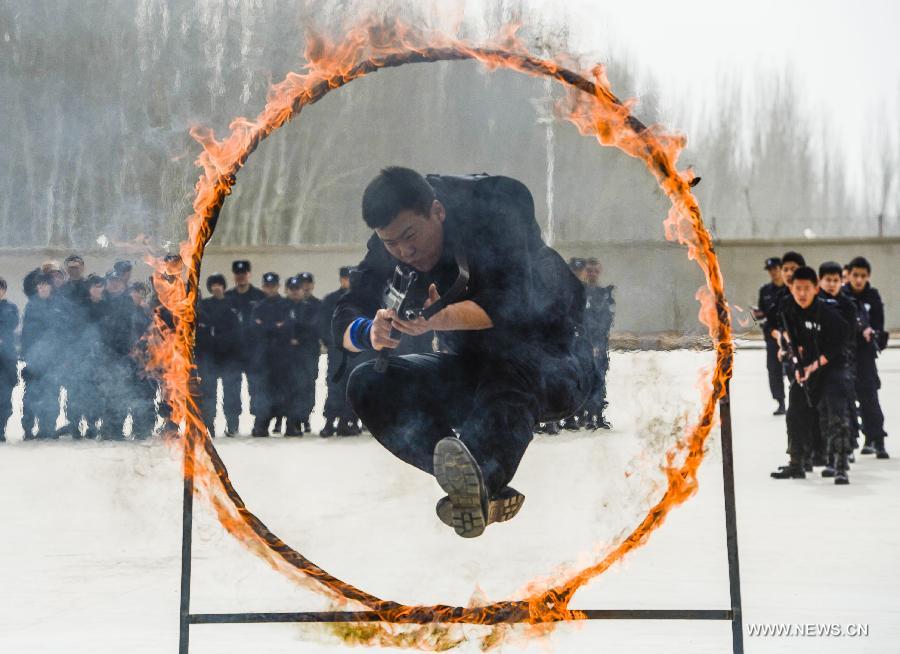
column 830, row 268
column 860, row 262
column 793, row 257
column 73, row 258
column 2, row 284
column 394, row 190
column 215, row 278
column 807, row 273
column 344, row 271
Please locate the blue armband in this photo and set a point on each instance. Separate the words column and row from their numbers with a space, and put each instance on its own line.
column 361, row 334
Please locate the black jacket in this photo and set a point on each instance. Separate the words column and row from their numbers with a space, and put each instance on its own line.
column 870, row 311
column 815, row 331
column 218, row 330
column 9, row 321
column 527, row 290
column 304, row 327
column 767, row 302
column 41, row 326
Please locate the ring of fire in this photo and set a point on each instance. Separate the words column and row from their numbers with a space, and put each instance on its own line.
column 595, row 111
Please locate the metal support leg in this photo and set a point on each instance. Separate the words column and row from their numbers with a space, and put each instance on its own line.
column 187, row 516
column 734, row 576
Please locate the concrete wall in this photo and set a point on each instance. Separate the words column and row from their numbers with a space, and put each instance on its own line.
column 655, row 282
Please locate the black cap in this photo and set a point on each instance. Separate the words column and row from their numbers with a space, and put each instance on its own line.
column 240, row 266
column 73, row 258
column 306, row 277
column 270, row 279
column 215, row 278
column 123, row 266
column 345, row 271
column 772, row 262
column 576, row 263
column 113, row 274
column 294, row 282
column 95, row 280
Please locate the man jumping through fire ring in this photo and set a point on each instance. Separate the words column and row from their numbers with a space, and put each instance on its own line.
column 507, row 313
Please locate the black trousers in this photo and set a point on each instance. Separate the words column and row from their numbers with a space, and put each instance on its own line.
column 776, row 370
column 821, row 426
column 867, row 385
column 493, row 403
column 42, row 399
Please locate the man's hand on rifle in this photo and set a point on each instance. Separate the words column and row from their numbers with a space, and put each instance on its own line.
column 420, row 325
column 381, row 330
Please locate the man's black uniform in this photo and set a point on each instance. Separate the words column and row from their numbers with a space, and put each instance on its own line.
column 9, row 321
column 247, row 358
column 303, row 349
column 117, row 383
column 491, row 385
column 870, row 311
column 272, row 338
column 847, row 310
column 599, row 312
column 815, row 331
column 769, row 296
column 89, row 349
column 336, row 405
column 40, row 337
column 218, row 331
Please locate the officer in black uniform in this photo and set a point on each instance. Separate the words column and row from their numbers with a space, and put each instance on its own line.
column 339, row 416
column 9, row 375
column 304, row 349
column 768, row 296
column 510, row 351
column 218, row 330
column 816, row 335
column 118, row 339
column 244, row 296
column 599, row 313
column 75, row 287
column 271, row 338
column 89, row 349
column 870, row 340
column 830, row 274
column 41, row 323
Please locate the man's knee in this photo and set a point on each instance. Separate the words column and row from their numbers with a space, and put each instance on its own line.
column 361, row 384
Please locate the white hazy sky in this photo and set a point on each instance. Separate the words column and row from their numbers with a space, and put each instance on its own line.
column 845, row 56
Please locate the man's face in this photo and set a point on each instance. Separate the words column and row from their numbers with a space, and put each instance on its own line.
column 217, row 290
column 859, row 277
column 43, row 290
column 831, row 284
column 592, row 273
column 295, row 293
column 58, row 278
column 345, row 282
column 787, row 271
column 96, row 292
column 415, row 239
column 241, row 279
column 2, row 293
column 308, row 288
column 775, row 275
column 75, row 270
column 804, row 292
column 845, row 276
column 270, row 290
column 137, row 297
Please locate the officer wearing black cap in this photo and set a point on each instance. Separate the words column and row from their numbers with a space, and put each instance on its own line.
column 123, row 268
column 40, row 330
column 84, row 398
column 75, row 287
column 337, row 409
column 769, row 295
column 9, row 322
column 243, row 296
column 216, row 349
column 271, row 336
column 305, row 348
column 117, row 383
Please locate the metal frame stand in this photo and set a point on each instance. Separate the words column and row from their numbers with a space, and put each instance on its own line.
column 734, row 614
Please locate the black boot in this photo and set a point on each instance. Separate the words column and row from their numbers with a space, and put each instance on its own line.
column 780, row 411
column 840, row 465
column 880, row 452
column 328, row 429
column 867, row 447
column 791, row 471
column 828, row 471
column 459, row 474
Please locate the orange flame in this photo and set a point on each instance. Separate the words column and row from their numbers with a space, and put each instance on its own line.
column 595, row 110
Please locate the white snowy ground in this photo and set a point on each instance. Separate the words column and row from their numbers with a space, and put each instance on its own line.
column 90, row 534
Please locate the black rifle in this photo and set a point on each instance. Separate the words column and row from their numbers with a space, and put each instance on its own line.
column 789, row 354
column 406, row 295
column 864, row 323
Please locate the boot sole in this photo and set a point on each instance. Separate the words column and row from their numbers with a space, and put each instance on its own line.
column 500, row 509
column 458, row 474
